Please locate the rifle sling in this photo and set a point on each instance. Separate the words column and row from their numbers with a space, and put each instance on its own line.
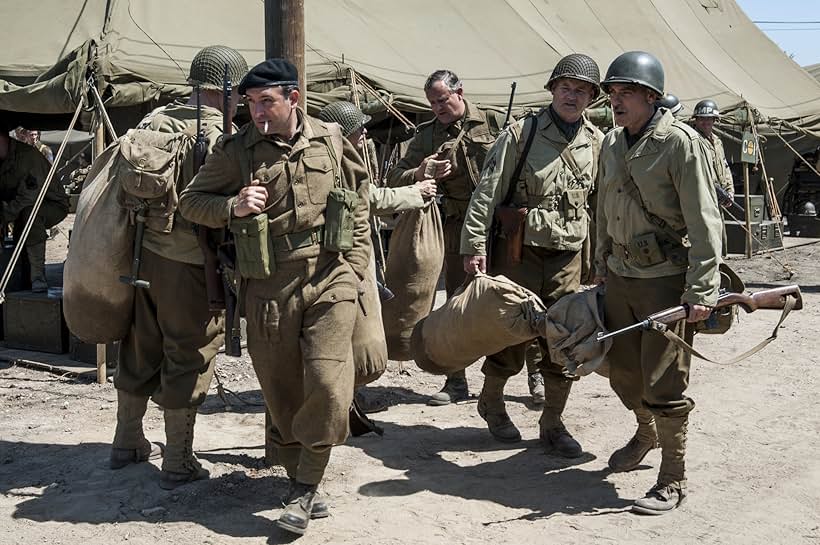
column 522, row 159
column 635, row 192
column 686, row 347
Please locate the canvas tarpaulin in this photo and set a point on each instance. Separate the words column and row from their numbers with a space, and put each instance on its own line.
column 708, row 47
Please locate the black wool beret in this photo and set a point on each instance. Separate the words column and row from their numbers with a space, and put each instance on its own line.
column 269, row 73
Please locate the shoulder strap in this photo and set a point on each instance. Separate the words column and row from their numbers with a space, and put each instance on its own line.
column 531, row 119
column 335, row 146
column 660, row 223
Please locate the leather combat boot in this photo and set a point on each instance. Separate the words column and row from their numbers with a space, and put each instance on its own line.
column 179, row 465
column 37, row 263
column 320, row 508
column 645, row 439
column 491, row 408
column 554, row 436
column 536, row 383
column 298, row 512
column 670, row 490
column 130, row 445
column 455, row 389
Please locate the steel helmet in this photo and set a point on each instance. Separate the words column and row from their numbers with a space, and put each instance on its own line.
column 706, row 108
column 208, row 67
column 577, row 66
column 670, row 102
column 345, row 114
column 637, row 67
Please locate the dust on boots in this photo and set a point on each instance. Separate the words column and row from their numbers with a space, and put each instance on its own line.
column 299, row 510
column 180, row 466
column 492, row 409
column 455, row 389
column 645, row 439
column 130, row 445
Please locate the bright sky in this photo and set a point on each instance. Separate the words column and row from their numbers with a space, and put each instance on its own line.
column 798, row 34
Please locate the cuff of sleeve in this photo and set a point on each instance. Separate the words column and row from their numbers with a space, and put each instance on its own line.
column 229, row 206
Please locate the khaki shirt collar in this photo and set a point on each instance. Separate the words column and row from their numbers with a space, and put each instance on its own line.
column 550, row 130
column 656, row 131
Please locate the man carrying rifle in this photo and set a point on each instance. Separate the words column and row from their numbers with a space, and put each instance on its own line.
column 451, row 149
column 537, row 180
column 168, row 354
column 658, row 246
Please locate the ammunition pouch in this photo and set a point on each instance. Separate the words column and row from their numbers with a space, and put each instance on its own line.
column 340, row 219
column 647, row 250
column 254, row 248
column 721, row 319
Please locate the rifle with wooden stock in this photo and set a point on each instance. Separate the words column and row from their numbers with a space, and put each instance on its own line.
column 509, row 219
column 221, row 293
column 785, row 298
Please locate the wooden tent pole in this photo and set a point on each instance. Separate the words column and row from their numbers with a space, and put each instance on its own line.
column 285, row 36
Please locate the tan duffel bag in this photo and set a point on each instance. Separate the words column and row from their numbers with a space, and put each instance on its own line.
column 369, row 346
column 488, row 314
column 411, row 273
column 98, row 307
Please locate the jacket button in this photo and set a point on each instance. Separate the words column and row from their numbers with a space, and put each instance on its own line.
column 300, row 205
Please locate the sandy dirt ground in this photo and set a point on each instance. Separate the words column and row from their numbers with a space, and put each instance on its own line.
column 437, row 476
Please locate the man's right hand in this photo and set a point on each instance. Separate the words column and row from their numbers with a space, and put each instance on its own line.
column 427, row 188
column 443, row 168
column 251, row 200
column 475, row 263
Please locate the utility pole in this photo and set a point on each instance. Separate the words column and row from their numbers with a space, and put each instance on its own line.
column 285, row 36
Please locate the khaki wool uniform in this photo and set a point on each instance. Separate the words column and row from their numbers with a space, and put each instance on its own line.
column 556, row 223
column 169, row 352
column 300, row 319
column 670, row 165
column 22, row 174
column 481, row 130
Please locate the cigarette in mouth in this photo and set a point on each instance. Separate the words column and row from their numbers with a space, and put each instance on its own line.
column 265, row 131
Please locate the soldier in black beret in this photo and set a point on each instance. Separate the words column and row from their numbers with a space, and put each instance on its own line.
column 279, row 172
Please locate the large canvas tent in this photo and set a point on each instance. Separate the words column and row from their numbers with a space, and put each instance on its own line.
column 139, row 51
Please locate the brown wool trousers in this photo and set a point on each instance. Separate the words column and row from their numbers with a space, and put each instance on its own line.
column 168, row 354
column 645, row 368
column 300, row 324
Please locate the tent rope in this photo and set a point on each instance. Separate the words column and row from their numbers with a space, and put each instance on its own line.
column 390, row 108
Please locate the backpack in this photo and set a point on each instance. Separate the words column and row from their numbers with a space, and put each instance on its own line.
column 146, row 167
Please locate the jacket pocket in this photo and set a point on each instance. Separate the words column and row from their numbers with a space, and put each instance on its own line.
column 318, row 177
column 266, row 319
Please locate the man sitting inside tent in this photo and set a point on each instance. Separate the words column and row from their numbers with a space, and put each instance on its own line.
column 23, row 171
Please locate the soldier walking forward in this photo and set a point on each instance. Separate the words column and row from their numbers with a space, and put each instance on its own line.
column 461, row 125
column 275, row 176
column 658, row 245
column 555, row 181
column 169, row 352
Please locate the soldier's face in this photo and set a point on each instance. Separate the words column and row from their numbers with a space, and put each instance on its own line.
column 357, row 137
column 632, row 105
column 448, row 106
column 272, row 111
column 570, row 98
column 705, row 125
